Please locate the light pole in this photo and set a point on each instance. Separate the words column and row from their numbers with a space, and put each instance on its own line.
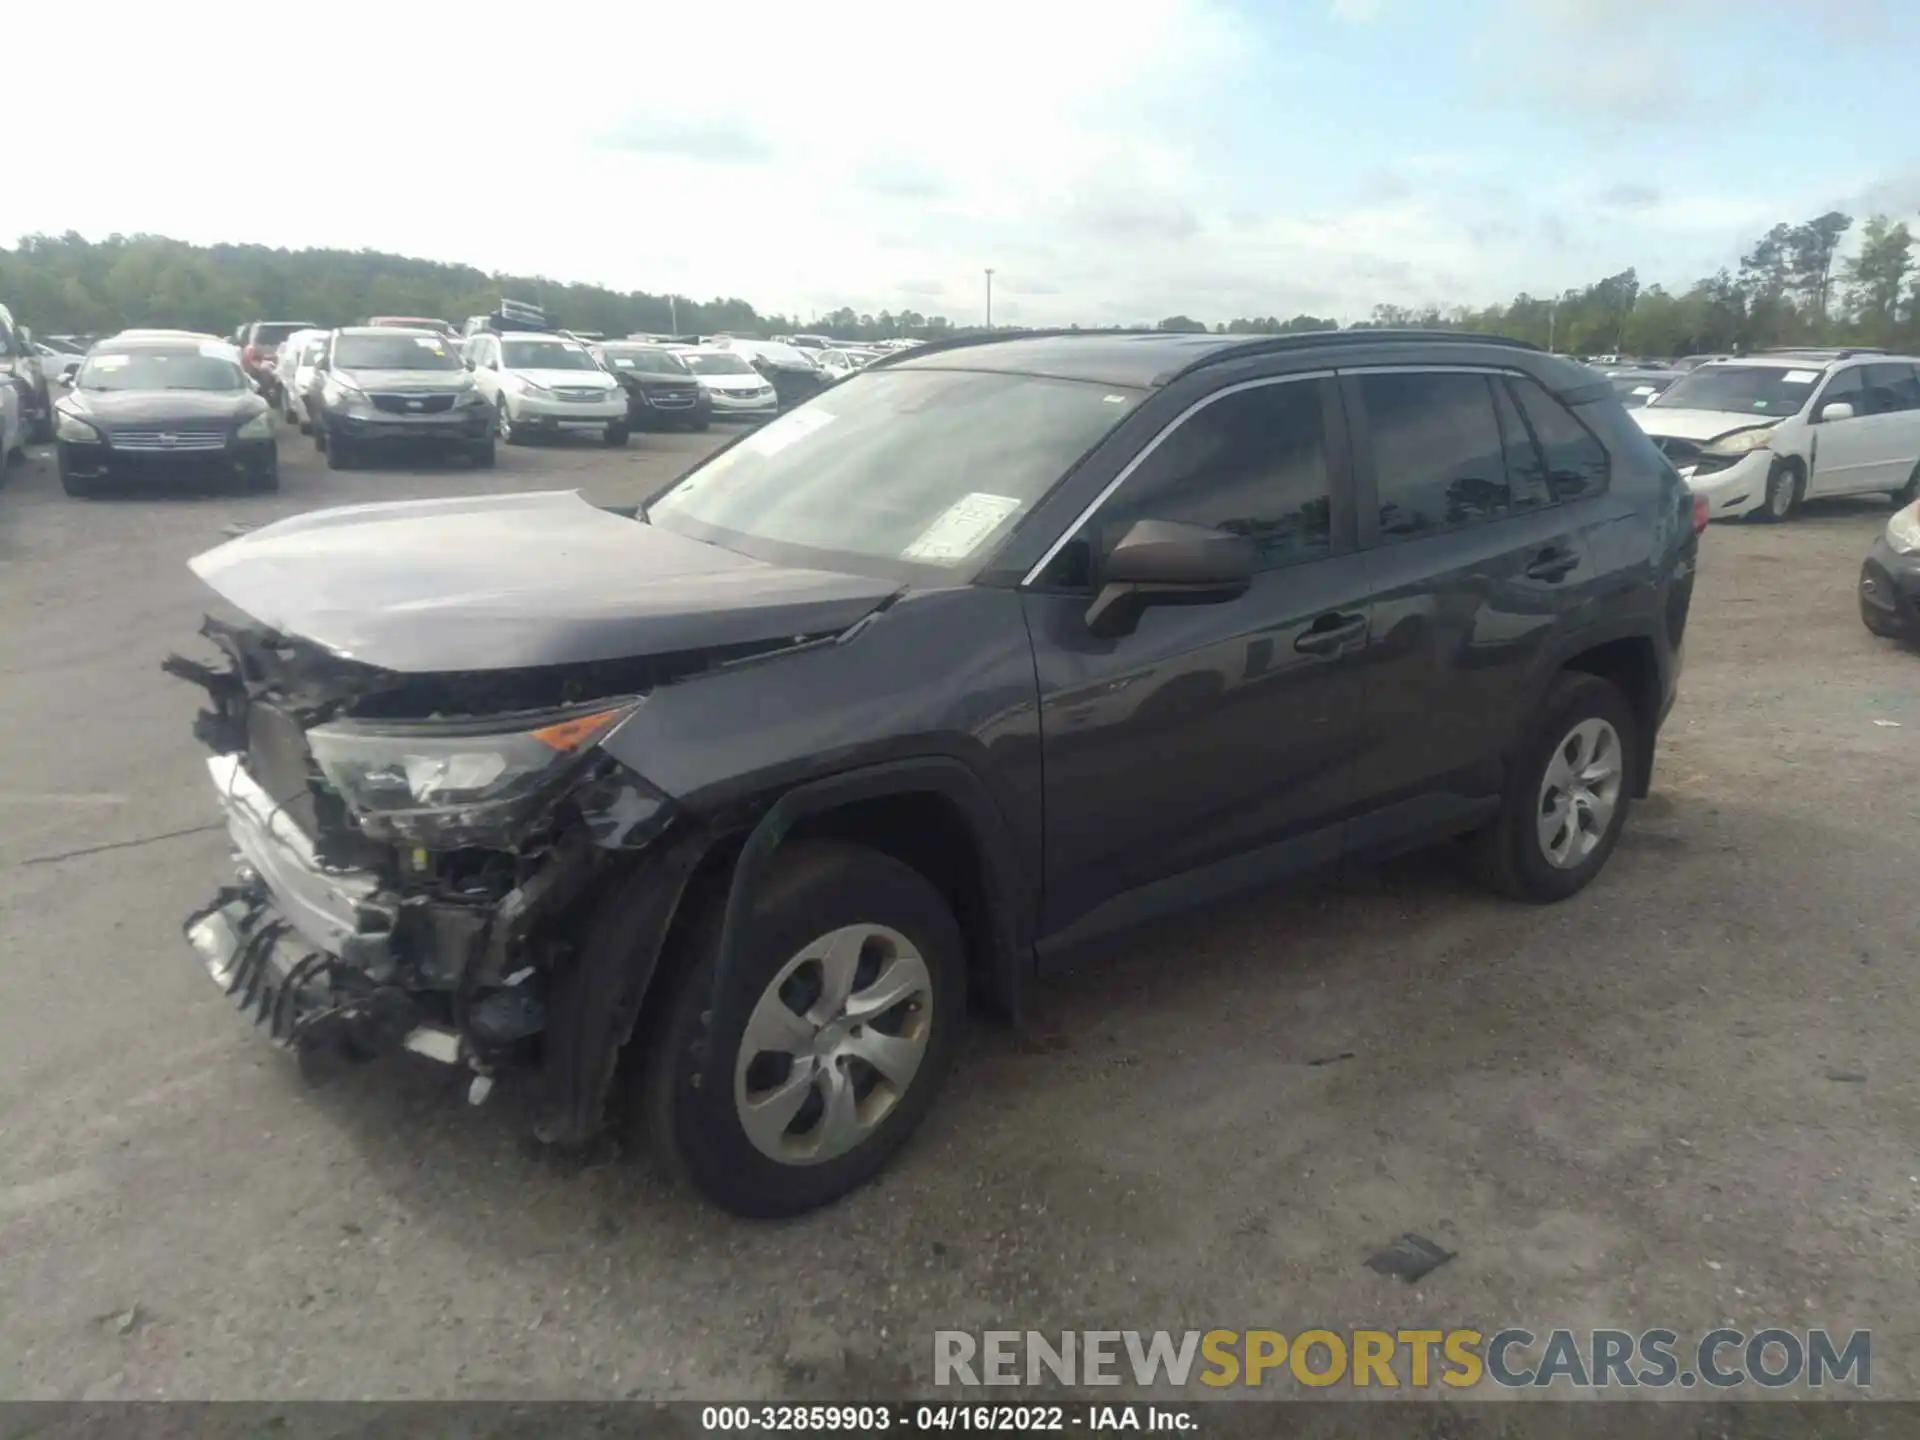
column 673, row 315
column 989, row 297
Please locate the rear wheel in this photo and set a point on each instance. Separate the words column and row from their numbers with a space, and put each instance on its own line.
column 826, row 1041
column 1567, row 794
column 1784, row 483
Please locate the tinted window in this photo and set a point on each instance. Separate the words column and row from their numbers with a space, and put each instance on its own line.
column 1252, row 463
column 1526, row 469
column 1890, row 388
column 1576, row 461
column 1846, row 386
column 1436, row 452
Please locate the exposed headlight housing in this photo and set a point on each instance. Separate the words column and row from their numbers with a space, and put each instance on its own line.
column 260, row 427
column 532, row 389
column 448, row 786
column 74, row 430
column 1743, row 442
column 1903, row 530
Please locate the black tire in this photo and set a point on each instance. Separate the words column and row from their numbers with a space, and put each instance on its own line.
column 41, row 431
column 340, row 453
column 1785, row 487
column 318, row 429
column 480, row 454
column 694, row 1043
column 267, row 481
column 508, row 432
column 74, row 485
column 616, row 434
column 703, row 424
column 1509, row 854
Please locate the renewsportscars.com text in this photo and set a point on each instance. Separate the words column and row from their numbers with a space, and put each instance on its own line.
column 1459, row 1359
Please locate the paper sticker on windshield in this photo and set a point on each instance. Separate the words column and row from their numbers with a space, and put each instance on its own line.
column 109, row 362
column 623, row 362
column 1643, row 389
column 1114, row 399
column 777, row 435
column 960, row 529
column 1799, row 377
column 427, row 342
column 217, row 350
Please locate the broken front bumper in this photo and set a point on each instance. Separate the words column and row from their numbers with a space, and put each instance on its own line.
column 302, row 947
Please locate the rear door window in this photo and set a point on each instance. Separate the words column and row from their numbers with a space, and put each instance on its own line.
column 1890, row 388
column 1576, row 460
column 1439, row 463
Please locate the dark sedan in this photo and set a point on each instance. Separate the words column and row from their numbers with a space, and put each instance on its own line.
column 662, row 393
column 168, row 407
column 1890, row 578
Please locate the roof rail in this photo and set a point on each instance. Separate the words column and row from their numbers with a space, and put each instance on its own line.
column 1232, row 347
column 1831, row 352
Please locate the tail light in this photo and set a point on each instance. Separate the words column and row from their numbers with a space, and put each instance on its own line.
column 1699, row 513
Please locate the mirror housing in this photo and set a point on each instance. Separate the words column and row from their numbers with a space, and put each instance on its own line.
column 1836, row 410
column 1167, row 562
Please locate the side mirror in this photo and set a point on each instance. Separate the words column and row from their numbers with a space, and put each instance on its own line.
column 1835, row 410
column 1167, row 562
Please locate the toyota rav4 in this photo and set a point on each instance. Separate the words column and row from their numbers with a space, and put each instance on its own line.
column 995, row 649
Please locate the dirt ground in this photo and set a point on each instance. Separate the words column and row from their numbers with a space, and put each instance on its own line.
column 1685, row 1098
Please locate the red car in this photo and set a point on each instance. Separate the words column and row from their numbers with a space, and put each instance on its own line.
column 260, row 341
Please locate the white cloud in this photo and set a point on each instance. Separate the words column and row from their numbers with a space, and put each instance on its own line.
column 1356, row 12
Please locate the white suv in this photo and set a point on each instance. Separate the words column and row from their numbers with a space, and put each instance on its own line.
column 544, row 384
column 1759, row 434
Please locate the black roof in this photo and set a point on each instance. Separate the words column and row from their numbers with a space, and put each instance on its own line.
column 1148, row 358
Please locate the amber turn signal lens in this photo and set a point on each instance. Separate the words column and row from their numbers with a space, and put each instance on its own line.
column 571, row 734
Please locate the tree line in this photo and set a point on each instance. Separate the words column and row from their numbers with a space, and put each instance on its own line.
column 1789, row 289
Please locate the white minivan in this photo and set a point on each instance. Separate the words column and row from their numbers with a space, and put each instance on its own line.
column 1758, row 434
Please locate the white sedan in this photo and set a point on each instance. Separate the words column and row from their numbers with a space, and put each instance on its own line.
column 738, row 391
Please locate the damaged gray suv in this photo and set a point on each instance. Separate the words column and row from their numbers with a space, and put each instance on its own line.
column 716, row 811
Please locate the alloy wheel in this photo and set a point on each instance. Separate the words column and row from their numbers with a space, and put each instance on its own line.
column 1579, row 793
column 833, row 1044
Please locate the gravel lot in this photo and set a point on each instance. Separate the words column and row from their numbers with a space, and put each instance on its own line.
column 1685, row 1098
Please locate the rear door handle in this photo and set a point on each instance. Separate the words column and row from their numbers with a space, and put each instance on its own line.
column 1553, row 564
column 1329, row 633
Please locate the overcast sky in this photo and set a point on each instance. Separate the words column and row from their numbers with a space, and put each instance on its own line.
column 1113, row 161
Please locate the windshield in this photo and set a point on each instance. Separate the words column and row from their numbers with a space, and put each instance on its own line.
column 913, row 467
column 545, row 355
column 392, row 352
column 1744, row 389
column 718, row 365
column 160, row 370
column 647, row 361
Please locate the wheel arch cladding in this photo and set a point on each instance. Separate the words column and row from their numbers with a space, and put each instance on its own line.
column 934, row 815
column 1630, row 665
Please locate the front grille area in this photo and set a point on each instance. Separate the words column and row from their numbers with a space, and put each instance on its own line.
column 672, row 399
column 402, row 404
column 183, row 437
column 578, row 394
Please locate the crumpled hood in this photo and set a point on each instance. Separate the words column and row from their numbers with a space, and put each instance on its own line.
column 1697, row 424
column 506, row 582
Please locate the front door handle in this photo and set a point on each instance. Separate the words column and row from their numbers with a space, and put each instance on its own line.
column 1553, row 564
column 1329, row 633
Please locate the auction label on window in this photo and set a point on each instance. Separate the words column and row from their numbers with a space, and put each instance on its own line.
column 961, row 527
column 1799, row 377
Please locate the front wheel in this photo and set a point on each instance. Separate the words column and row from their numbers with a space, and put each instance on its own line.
column 616, row 434
column 41, row 431
column 265, row 481
column 1567, row 794
column 340, row 454
column 480, row 454
column 510, row 434
column 826, row 1041
column 1783, row 495
column 75, row 485
column 1909, row 492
